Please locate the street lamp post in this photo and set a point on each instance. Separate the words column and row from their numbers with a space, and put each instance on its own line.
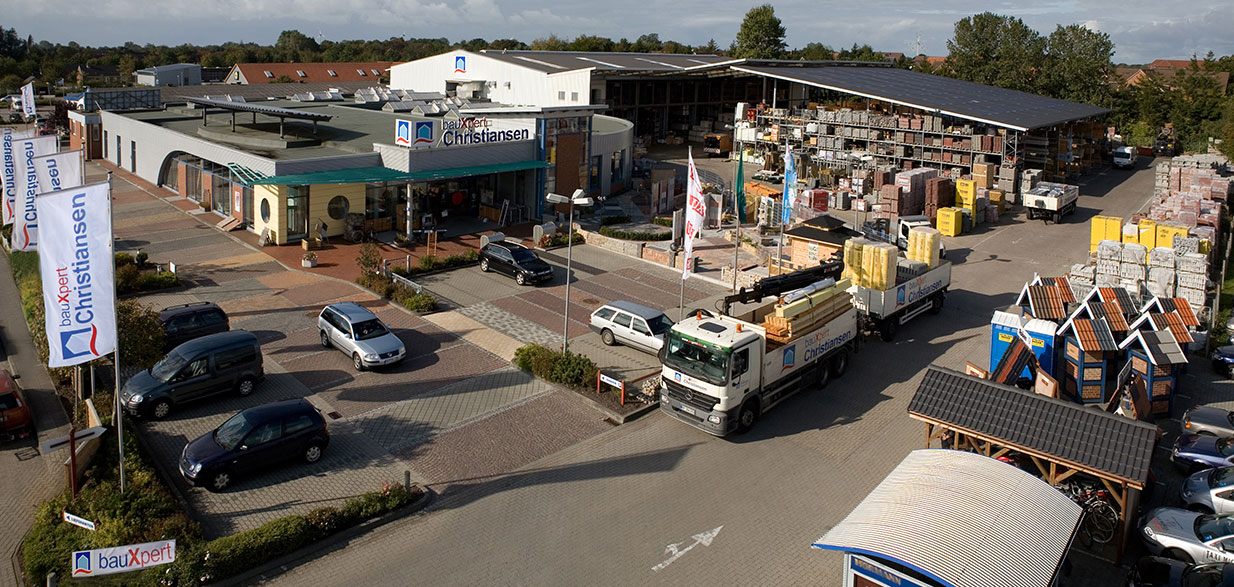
column 578, row 197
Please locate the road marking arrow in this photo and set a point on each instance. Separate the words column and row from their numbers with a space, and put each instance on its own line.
column 676, row 552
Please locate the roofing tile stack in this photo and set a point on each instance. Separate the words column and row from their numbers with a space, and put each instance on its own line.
column 940, row 193
column 1191, row 191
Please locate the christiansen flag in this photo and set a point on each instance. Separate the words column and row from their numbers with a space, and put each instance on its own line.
column 9, row 137
column 25, row 219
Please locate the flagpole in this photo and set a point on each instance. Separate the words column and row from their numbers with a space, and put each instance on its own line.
column 111, row 227
column 784, row 212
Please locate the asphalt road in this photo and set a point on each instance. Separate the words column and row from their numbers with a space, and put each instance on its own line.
column 638, row 505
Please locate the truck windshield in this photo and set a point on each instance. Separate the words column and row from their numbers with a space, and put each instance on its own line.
column 696, row 358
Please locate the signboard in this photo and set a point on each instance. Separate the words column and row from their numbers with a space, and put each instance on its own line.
column 609, row 380
column 9, row 137
column 122, row 559
column 460, row 132
column 861, row 571
column 78, row 521
column 55, row 444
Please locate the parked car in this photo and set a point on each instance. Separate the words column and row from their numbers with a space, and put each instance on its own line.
column 1210, row 491
column 516, row 261
column 199, row 368
column 188, row 321
column 1223, row 360
column 358, row 332
column 1125, row 157
column 16, row 421
column 1156, row 571
column 1189, row 536
column 1208, row 421
column 253, row 440
column 631, row 324
column 1193, row 452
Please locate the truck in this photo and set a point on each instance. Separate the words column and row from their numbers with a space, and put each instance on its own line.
column 1125, row 157
column 1051, row 201
column 720, row 373
column 717, row 144
column 882, row 312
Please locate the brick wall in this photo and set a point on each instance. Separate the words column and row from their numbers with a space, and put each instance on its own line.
column 658, row 256
column 629, row 248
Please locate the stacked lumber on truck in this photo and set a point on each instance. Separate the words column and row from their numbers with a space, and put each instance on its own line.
column 805, row 313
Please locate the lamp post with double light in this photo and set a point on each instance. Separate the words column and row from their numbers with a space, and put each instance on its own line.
column 578, row 197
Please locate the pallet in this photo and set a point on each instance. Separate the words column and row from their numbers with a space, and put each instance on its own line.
column 781, row 330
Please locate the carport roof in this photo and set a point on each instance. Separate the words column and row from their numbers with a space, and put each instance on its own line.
column 962, row 519
column 932, row 93
column 1082, row 438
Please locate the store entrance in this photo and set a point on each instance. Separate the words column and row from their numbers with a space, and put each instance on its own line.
column 468, row 205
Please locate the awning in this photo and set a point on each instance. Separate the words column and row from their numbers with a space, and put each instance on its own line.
column 380, row 174
column 962, row 519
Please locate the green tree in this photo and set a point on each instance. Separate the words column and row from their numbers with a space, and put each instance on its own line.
column 996, row 50
column 591, row 43
column 761, row 35
column 1077, row 65
column 295, row 46
column 127, row 66
column 649, row 43
column 862, row 53
column 711, row 48
column 141, row 334
column 551, row 43
column 815, row 52
column 511, row 44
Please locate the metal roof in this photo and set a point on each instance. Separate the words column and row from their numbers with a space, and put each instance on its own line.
column 1093, row 440
column 558, row 61
column 972, row 101
column 962, row 519
column 259, row 109
column 378, row 174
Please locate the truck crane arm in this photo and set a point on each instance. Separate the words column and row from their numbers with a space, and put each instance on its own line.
column 778, row 284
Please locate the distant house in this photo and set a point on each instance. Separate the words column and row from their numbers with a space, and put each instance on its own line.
column 100, row 75
column 815, row 241
column 179, row 74
column 265, row 73
column 1164, row 71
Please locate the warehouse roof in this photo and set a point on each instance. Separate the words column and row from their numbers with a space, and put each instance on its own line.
column 962, row 519
column 558, row 61
column 1059, row 430
column 972, row 101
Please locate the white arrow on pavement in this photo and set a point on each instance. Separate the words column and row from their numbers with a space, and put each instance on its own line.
column 704, row 538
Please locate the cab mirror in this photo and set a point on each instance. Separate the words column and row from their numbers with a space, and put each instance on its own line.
column 244, row 447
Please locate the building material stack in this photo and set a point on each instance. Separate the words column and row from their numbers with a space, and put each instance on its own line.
column 923, row 246
column 1109, row 263
column 983, row 175
column 802, row 310
column 878, row 265
column 1192, row 272
column 940, row 193
column 950, row 221
column 1104, row 228
column 881, row 178
column 1133, row 266
column 1152, row 258
column 892, row 197
column 1191, row 191
column 913, row 185
column 1082, row 279
column 1161, row 276
column 1029, row 179
column 1007, row 182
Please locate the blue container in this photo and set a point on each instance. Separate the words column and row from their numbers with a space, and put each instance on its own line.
column 1045, row 345
column 1004, row 328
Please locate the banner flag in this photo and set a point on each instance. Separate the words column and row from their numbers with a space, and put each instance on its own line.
column 9, row 137
column 790, row 185
column 76, row 264
column 25, row 217
column 695, row 210
column 741, row 190
column 27, row 100
column 59, row 171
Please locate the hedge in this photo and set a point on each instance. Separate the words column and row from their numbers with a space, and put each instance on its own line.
column 663, row 221
column 553, row 365
column 398, row 293
column 559, row 240
column 635, row 235
column 611, row 220
column 432, row 263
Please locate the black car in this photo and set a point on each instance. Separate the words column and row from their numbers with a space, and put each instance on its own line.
column 253, row 440
column 188, row 321
column 199, row 368
column 516, row 261
column 1156, row 571
column 1223, row 361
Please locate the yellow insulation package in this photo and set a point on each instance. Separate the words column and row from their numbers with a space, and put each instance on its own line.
column 878, row 262
column 923, row 245
column 853, row 259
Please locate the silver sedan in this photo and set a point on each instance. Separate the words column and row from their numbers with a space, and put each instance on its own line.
column 1189, row 536
column 1208, row 421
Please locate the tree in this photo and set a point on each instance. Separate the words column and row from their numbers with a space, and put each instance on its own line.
column 511, row 44
column 649, row 43
column 552, row 43
column 127, row 66
column 591, row 43
column 711, row 48
column 1077, row 65
column 862, row 53
column 815, row 52
column 761, row 35
column 995, row 50
column 295, row 46
column 140, row 333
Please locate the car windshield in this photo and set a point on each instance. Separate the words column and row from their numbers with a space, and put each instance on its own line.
column 8, row 401
column 523, row 256
column 697, row 358
column 1212, row 526
column 232, row 431
column 660, row 324
column 1221, row 477
column 167, row 368
column 1225, row 447
column 369, row 329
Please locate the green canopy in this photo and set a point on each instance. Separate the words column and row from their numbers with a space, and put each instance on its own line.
column 385, row 174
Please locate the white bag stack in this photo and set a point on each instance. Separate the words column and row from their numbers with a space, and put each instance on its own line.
column 1161, row 257
column 1108, row 250
column 1186, row 244
column 1134, row 253
column 1192, row 263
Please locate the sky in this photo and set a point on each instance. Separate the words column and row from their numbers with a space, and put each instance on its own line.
column 1142, row 30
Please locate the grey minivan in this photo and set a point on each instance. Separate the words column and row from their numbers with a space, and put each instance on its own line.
column 213, row 364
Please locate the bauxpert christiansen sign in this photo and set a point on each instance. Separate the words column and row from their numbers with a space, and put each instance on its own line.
column 122, row 559
column 458, row 132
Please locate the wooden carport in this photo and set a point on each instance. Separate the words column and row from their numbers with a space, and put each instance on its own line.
column 1061, row 438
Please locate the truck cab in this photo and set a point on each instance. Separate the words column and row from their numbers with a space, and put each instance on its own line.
column 879, row 230
column 710, row 365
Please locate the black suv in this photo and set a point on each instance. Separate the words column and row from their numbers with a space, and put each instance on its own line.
column 188, row 321
column 252, row 441
column 516, row 261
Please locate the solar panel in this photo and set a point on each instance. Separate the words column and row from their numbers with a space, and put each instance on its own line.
column 259, row 109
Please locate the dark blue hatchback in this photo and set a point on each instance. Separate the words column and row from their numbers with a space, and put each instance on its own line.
column 1193, row 452
column 253, row 440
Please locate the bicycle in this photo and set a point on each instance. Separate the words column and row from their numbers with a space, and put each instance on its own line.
column 1100, row 521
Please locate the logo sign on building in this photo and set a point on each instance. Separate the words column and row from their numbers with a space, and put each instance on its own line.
column 9, row 137
column 26, row 180
column 459, row 132
column 408, row 133
column 75, row 262
column 460, row 64
column 122, row 559
column 402, row 132
column 790, row 358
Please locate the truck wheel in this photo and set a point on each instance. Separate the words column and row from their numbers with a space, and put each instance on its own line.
column 822, row 374
column 839, row 364
column 936, row 305
column 889, row 328
column 747, row 416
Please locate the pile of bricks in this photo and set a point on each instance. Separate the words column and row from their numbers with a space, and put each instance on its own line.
column 940, row 193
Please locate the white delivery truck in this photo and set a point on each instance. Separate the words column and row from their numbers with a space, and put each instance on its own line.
column 719, row 373
column 1125, row 157
column 1051, row 201
column 883, row 311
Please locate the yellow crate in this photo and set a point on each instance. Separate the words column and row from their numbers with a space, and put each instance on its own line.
column 965, row 189
column 1167, row 232
column 1113, row 228
column 1148, row 233
column 1096, row 230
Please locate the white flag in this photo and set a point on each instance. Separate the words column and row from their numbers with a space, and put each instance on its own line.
column 9, row 137
column 695, row 209
column 25, row 217
column 27, row 99
column 59, row 171
column 75, row 261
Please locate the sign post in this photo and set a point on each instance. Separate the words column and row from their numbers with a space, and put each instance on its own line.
column 602, row 379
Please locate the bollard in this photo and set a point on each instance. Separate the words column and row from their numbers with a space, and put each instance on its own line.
column 407, row 481
column 52, row 579
column 409, row 263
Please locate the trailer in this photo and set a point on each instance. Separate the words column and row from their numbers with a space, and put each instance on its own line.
column 883, row 311
column 1051, row 201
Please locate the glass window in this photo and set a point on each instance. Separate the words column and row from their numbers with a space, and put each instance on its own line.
column 641, row 327
column 741, row 362
column 370, row 329
column 268, row 74
column 361, row 72
column 234, row 357
column 618, row 166
column 168, row 366
column 338, row 207
column 297, row 210
column 301, row 73
column 8, row 401
column 172, row 178
column 221, row 188
column 195, row 369
column 699, row 359
column 561, row 95
column 375, row 72
column 574, row 96
column 265, row 210
column 263, row 433
column 623, row 319
column 297, row 423
column 1221, row 477
column 232, row 431
column 660, row 324
column 331, row 72
column 605, row 313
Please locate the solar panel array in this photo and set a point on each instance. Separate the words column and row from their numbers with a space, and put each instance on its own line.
column 259, row 109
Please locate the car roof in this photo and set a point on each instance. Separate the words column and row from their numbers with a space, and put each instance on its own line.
column 282, row 407
column 7, row 384
column 172, row 311
column 508, row 245
column 637, row 309
column 352, row 311
column 211, row 341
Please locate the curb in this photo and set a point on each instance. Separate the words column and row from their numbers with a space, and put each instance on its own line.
column 603, row 409
column 280, row 565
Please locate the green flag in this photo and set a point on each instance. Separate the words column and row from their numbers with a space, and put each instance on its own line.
column 741, row 190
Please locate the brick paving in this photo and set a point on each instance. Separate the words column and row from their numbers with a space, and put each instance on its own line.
column 517, row 327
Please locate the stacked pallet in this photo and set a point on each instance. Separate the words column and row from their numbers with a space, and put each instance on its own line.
column 1192, row 277
column 923, row 246
column 983, row 175
column 881, row 178
column 1132, row 266
column 894, row 200
column 1161, row 275
column 1082, row 279
column 1109, row 263
column 805, row 309
column 940, row 193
